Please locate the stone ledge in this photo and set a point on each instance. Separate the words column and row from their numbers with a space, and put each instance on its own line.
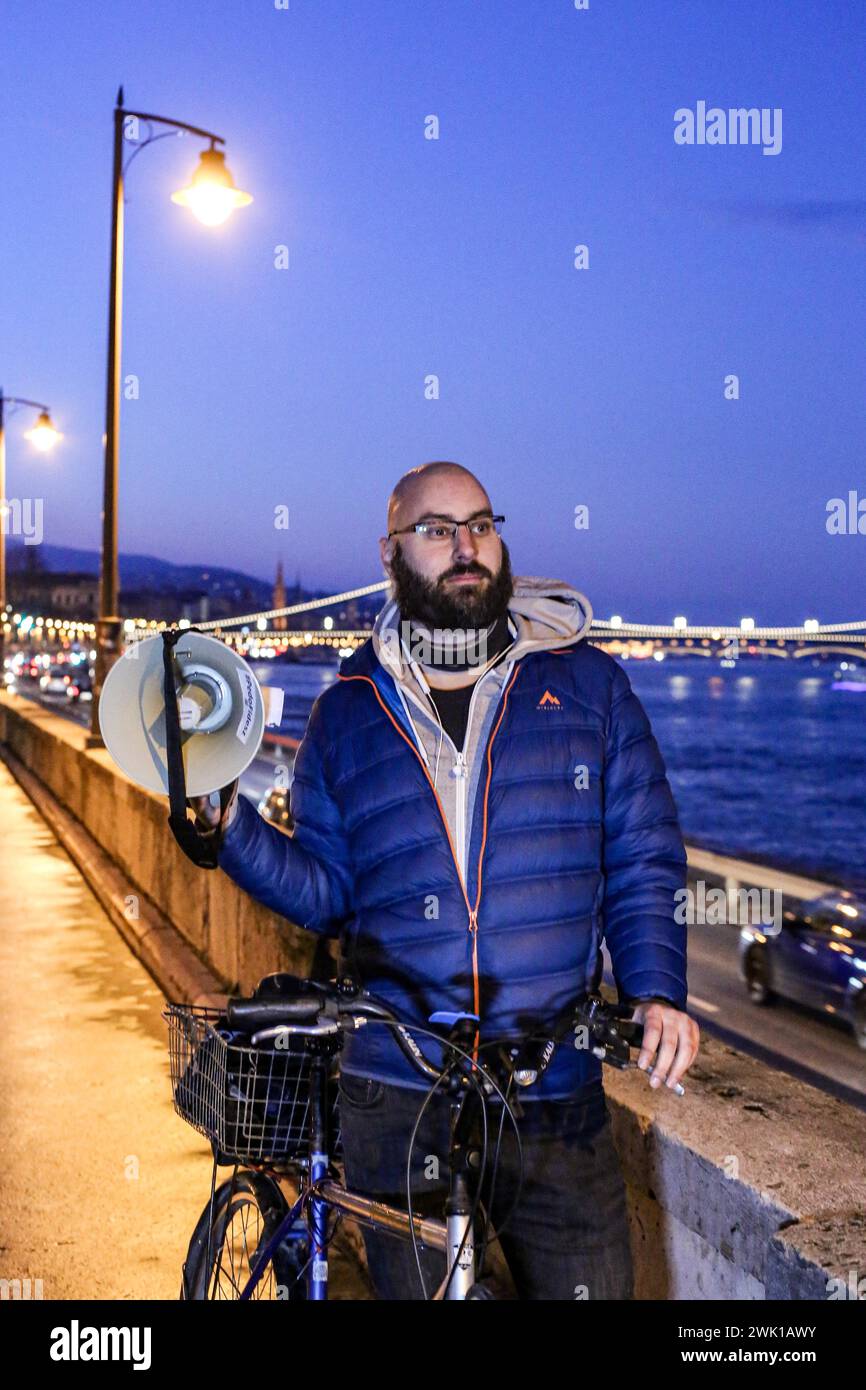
column 730, row 1162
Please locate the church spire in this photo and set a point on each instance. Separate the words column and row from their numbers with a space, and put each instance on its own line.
column 280, row 597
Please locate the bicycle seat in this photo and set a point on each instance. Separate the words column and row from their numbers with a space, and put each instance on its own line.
column 283, row 983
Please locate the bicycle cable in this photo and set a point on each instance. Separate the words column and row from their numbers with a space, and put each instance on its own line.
column 476, row 1201
column 488, row 1210
column 431, row 1091
column 475, row 1065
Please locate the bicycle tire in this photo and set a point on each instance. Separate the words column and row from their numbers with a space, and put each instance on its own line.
column 490, row 1288
column 226, row 1275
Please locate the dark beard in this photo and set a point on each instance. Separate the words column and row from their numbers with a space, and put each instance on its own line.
column 428, row 602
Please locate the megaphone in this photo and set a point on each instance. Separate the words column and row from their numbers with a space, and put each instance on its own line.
column 222, row 712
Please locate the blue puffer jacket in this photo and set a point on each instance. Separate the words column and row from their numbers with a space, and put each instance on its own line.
column 551, row 871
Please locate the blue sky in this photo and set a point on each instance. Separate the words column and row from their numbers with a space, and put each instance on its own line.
column 409, row 257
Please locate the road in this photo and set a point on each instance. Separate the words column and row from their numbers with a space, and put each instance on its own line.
column 806, row 1040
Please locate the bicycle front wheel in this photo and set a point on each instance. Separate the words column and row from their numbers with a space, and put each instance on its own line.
column 231, row 1232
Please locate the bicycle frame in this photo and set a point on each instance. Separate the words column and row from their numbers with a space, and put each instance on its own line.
column 610, row 1035
column 319, row 1193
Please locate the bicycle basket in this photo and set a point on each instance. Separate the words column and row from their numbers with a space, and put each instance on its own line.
column 252, row 1103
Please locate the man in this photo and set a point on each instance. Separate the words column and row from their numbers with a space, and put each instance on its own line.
column 478, row 803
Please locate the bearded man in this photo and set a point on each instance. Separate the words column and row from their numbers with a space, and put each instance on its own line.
column 478, row 804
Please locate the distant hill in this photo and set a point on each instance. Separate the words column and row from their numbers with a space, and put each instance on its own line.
column 145, row 575
column 147, row 572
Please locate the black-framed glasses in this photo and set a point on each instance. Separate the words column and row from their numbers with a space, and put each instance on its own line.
column 440, row 530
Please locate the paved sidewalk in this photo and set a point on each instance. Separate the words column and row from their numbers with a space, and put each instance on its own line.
column 100, row 1182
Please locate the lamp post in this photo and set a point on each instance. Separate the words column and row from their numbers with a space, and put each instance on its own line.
column 212, row 196
column 43, row 436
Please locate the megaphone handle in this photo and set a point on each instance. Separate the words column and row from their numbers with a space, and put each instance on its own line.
column 204, row 853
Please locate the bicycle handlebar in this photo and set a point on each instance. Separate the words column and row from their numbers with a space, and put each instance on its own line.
column 250, row 1014
column 609, row 1033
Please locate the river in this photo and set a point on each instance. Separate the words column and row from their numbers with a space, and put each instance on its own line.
column 765, row 759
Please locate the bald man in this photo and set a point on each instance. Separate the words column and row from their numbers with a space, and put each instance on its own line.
column 479, row 803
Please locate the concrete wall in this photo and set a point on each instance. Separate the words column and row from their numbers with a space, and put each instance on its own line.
column 752, row 1186
column 237, row 938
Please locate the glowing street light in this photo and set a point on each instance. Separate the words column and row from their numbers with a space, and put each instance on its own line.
column 212, row 196
column 43, row 436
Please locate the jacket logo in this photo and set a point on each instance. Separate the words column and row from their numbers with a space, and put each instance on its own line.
column 548, row 701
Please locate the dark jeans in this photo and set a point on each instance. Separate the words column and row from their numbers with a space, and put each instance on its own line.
column 566, row 1239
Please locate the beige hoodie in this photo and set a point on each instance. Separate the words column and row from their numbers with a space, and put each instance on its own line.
column 543, row 613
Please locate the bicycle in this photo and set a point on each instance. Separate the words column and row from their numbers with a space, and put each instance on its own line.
column 259, row 1081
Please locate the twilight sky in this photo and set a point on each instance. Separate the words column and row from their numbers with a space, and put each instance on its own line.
column 411, row 257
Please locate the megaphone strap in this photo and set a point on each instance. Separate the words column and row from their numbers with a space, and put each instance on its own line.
column 202, row 851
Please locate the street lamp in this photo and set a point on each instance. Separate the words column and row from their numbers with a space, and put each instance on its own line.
column 212, row 197
column 43, row 436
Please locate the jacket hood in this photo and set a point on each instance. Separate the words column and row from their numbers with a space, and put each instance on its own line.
column 546, row 613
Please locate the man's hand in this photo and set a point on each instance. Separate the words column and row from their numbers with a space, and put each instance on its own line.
column 207, row 808
column 673, row 1034
column 204, row 811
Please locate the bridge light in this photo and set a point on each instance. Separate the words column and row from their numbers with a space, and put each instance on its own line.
column 616, row 620
column 261, row 624
column 811, row 625
column 658, row 656
column 680, row 623
column 747, row 624
column 328, row 623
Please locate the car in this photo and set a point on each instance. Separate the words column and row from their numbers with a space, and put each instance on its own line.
column 274, row 806
column 817, row 958
column 80, row 686
column 55, row 680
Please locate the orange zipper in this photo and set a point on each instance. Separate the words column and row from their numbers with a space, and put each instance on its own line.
column 472, row 911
